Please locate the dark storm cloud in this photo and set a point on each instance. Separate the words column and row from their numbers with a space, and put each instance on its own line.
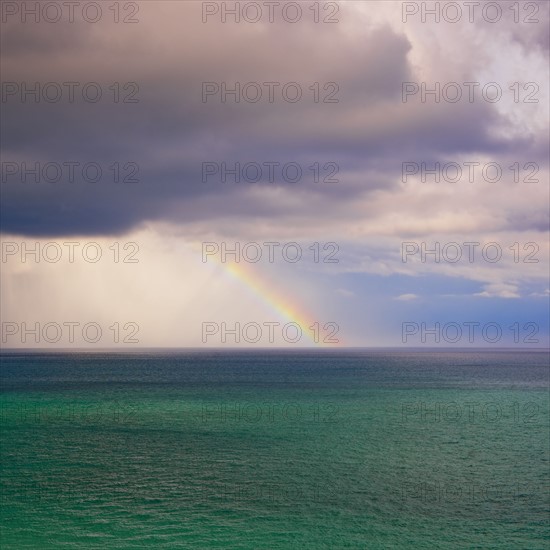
column 38, row 39
column 171, row 132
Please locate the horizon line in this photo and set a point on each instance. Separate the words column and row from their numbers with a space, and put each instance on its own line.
column 250, row 348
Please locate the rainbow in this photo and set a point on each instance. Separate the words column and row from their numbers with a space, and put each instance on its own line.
column 266, row 292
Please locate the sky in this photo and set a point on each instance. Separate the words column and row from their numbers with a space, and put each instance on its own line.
column 392, row 187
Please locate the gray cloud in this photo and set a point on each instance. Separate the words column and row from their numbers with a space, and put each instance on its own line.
column 170, row 132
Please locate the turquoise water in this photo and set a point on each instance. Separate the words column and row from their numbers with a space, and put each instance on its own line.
column 325, row 449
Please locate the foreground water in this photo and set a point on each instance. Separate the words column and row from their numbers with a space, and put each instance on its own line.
column 326, row 449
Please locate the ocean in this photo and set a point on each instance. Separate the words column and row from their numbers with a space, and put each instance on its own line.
column 267, row 449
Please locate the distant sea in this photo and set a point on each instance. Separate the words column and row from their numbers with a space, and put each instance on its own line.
column 275, row 450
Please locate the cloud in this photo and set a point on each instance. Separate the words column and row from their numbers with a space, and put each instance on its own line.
column 499, row 291
column 544, row 294
column 344, row 292
column 406, row 297
column 171, row 132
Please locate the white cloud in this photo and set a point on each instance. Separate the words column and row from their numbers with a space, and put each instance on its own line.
column 344, row 292
column 499, row 290
column 406, row 297
column 544, row 294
